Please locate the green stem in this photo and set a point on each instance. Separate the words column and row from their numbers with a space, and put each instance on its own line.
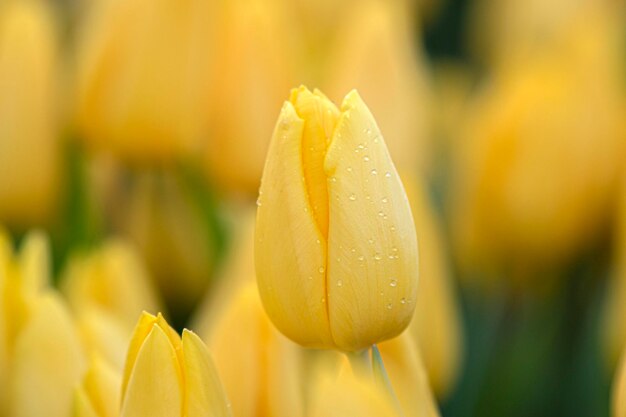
column 382, row 378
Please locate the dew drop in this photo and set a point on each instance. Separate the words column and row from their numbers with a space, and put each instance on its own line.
column 352, row 197
column 366, row 158
column 321, row 270
column 381, row 214
column 393, row 282
column 349, row 169
column 392, row 228
column 339, row 283
column 353, row 250
column 361, row 258
column 374, row 172
column 333, row 179
column 310, row 277
column 323, row 300
column 403, row 300
column 389, row 306
column 377, row 256
column 384, row 200
column 388, row 174
column 317, row 241
column 258, row 202
column 370, row 241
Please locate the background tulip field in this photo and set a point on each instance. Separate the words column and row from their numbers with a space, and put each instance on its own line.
column 133, row 138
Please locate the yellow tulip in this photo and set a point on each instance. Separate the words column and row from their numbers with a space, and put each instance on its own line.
column 29, row 138
column 143, row 77
column 537, row 163
column 166, row 376
column 408, row 377
column 39, row 345
column 436, row 325
column 99, row 393
column 336, row 252
column 347, row 394
column 113, row 279
column 166, row 226
column 619, row 390
column 376, row 53
column 260, row 368
column 253, row 71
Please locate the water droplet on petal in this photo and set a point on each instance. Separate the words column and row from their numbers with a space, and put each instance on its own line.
column 361, row 258
column 403, row 300
column 321, row 270
column 381, row 214
column 366, row 158
column 374, row 172
column 384, row 200
column 377, row 256
column 393, row 282
column 352, row 197
column 388, row 174
column 389, row 306
column 339, row 283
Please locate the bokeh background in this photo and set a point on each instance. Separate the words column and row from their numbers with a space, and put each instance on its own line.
column 134, row 132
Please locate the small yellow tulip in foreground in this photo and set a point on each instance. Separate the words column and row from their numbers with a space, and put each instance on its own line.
column 168, row 377
column 336, row 252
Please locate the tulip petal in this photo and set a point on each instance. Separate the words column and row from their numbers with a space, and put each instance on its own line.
column 102, row 385
column 287, row 228
column 372, row 253
column 35, row 263
column 204, row 394
column 48, row 361
column 154, row 387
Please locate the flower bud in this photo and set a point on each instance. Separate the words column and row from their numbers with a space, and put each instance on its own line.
column 167, row 377
column 336, row 252
column 98, row 395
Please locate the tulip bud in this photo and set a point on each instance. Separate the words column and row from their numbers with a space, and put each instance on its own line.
column 260, row 368
column 29, row 145
column 167, row 377
column 112, row 279
column 47, row 355
column 143, row 77
column 336, row 252
column 346, row 394
column 98, row 395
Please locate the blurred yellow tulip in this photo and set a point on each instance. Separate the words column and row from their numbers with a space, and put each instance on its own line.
column 253, row 72
column 168, row 229
column 167, row 377
column 619, row 390
column 113, row 279
column 614, row 326
column 99, row 393
column 536, row 166
column 260, row 368
column 336, row 252
column 345, row 393
column 108, row 289
column 376, row 52
column 29, row 134
column 39, row 345
column 408, row 377
column 436, row 325
column 143, row 77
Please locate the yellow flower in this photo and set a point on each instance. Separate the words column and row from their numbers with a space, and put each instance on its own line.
column 254, row 62
column 408, row 377
column 143, row 77
column 619, row 390
column 39, row 346
column 336, row 252
column 165, row 224
column 436, row 325
column 167, row 377
column 537, row 163
column 29, row 138
column 260, row 368
column 99, row 393
column 107, row 289
column 376, row 52
column 347, row 394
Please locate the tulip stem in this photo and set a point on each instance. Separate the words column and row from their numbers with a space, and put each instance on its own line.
column 382, row 378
